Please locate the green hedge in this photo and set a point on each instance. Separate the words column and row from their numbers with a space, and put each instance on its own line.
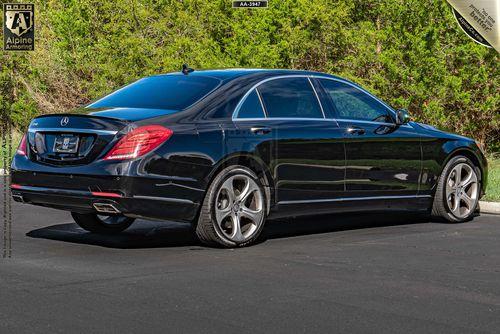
column 411, row 53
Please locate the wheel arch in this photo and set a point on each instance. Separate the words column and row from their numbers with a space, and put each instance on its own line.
column 478, row 161
column 252, row 162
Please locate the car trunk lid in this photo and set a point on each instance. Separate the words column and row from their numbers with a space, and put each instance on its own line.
column 82, row 136
column 70, row 139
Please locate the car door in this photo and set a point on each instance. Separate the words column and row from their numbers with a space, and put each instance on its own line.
column 304, row 151
column 382, row 158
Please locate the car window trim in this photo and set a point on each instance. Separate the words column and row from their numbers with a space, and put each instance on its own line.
column 321, row 120
column 350, row 120
column 287, row 119
column 262, row 107
column 264, row 110
column 234, row 116
column 389, row 108
column 317, row 96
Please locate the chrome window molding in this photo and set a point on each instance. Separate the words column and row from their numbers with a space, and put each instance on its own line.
column 391, row 110
column 240, row 103
column 361, row 89
column 234, row 116
column 317, row 97
column 102, row 132
column 348, row 120
column 316, row 119
column 264, row 110
column 285, row 119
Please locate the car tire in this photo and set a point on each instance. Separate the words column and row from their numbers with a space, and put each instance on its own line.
column 457, row 196
column 102, row 224
column 234, row 209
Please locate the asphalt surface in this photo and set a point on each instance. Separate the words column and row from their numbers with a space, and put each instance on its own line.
column 370, row 273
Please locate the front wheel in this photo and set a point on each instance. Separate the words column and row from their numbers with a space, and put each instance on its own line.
column 457, row 193
column 234, row 209
column 102, row 224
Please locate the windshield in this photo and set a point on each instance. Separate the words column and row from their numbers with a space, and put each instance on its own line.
column 173, row 92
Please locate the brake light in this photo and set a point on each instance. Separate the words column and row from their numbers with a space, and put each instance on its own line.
column 21, row 149
column 138, row 142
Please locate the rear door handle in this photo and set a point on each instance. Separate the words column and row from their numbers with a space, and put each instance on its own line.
column 355, row 130
column 260, row 130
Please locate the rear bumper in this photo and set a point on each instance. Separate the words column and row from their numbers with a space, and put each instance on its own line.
column 144, row 196
column 88, row 202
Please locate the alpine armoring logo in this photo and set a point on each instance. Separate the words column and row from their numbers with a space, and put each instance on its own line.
column 18, row 27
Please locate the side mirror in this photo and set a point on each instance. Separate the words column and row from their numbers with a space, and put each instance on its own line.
column 402, row 117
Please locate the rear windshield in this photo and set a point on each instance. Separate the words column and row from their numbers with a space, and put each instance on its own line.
column 160, row 92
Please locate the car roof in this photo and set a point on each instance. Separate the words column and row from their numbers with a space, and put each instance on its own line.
column 233, row 73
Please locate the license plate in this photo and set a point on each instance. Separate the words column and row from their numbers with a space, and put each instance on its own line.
column 66, row 144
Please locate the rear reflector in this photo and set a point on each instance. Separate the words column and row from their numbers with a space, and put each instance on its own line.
column 104, row 194
column 138, row 142
column 94, row 193
column 21, row 150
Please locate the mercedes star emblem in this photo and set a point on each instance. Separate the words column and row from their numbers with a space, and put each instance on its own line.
column 64, row 121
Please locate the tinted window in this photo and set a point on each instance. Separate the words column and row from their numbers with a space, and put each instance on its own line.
column 251, row 108
column 290, row 97
column 160, row 92
column 352, row 103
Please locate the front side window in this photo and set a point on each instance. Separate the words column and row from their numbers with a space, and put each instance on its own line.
column 290, row 98
column 251, row 107
column 174, row 92
column 352, row 103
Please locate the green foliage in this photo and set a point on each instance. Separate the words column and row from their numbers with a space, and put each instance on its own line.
column 493, row 190
column 410, row 53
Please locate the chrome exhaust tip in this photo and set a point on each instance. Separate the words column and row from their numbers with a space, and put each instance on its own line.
column 18, row 198
column 105, row 208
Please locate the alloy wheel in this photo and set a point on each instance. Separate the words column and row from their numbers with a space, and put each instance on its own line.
column 239, row 209
column 462, row 190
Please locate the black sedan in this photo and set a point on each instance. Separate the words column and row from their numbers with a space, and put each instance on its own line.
column 225, row 150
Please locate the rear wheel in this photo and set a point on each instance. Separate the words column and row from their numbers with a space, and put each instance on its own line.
column 234, row 209
column 457, row 194
column 102, row 224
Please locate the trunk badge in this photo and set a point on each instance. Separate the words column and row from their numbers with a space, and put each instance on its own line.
column 64, row 121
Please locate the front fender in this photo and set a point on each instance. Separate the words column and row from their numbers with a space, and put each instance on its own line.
column 471, row 150
column 437, row 152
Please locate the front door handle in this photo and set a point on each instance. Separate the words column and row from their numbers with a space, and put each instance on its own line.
column 355, row 130
column 260, row 130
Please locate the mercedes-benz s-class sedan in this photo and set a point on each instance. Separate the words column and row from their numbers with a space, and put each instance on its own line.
column 225, row 150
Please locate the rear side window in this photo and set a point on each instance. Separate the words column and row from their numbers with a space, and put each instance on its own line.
column 174, row 92
column 251, row 108
column 290, row 98
column 352, row 103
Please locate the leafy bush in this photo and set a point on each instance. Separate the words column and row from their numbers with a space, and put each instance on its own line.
column 410, row 53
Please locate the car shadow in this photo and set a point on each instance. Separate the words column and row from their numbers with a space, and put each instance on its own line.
column 150, row 234
column 338, row 222
column 142, row 234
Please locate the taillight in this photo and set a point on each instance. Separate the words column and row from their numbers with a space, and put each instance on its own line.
column 138, row 142
column 21, row 149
